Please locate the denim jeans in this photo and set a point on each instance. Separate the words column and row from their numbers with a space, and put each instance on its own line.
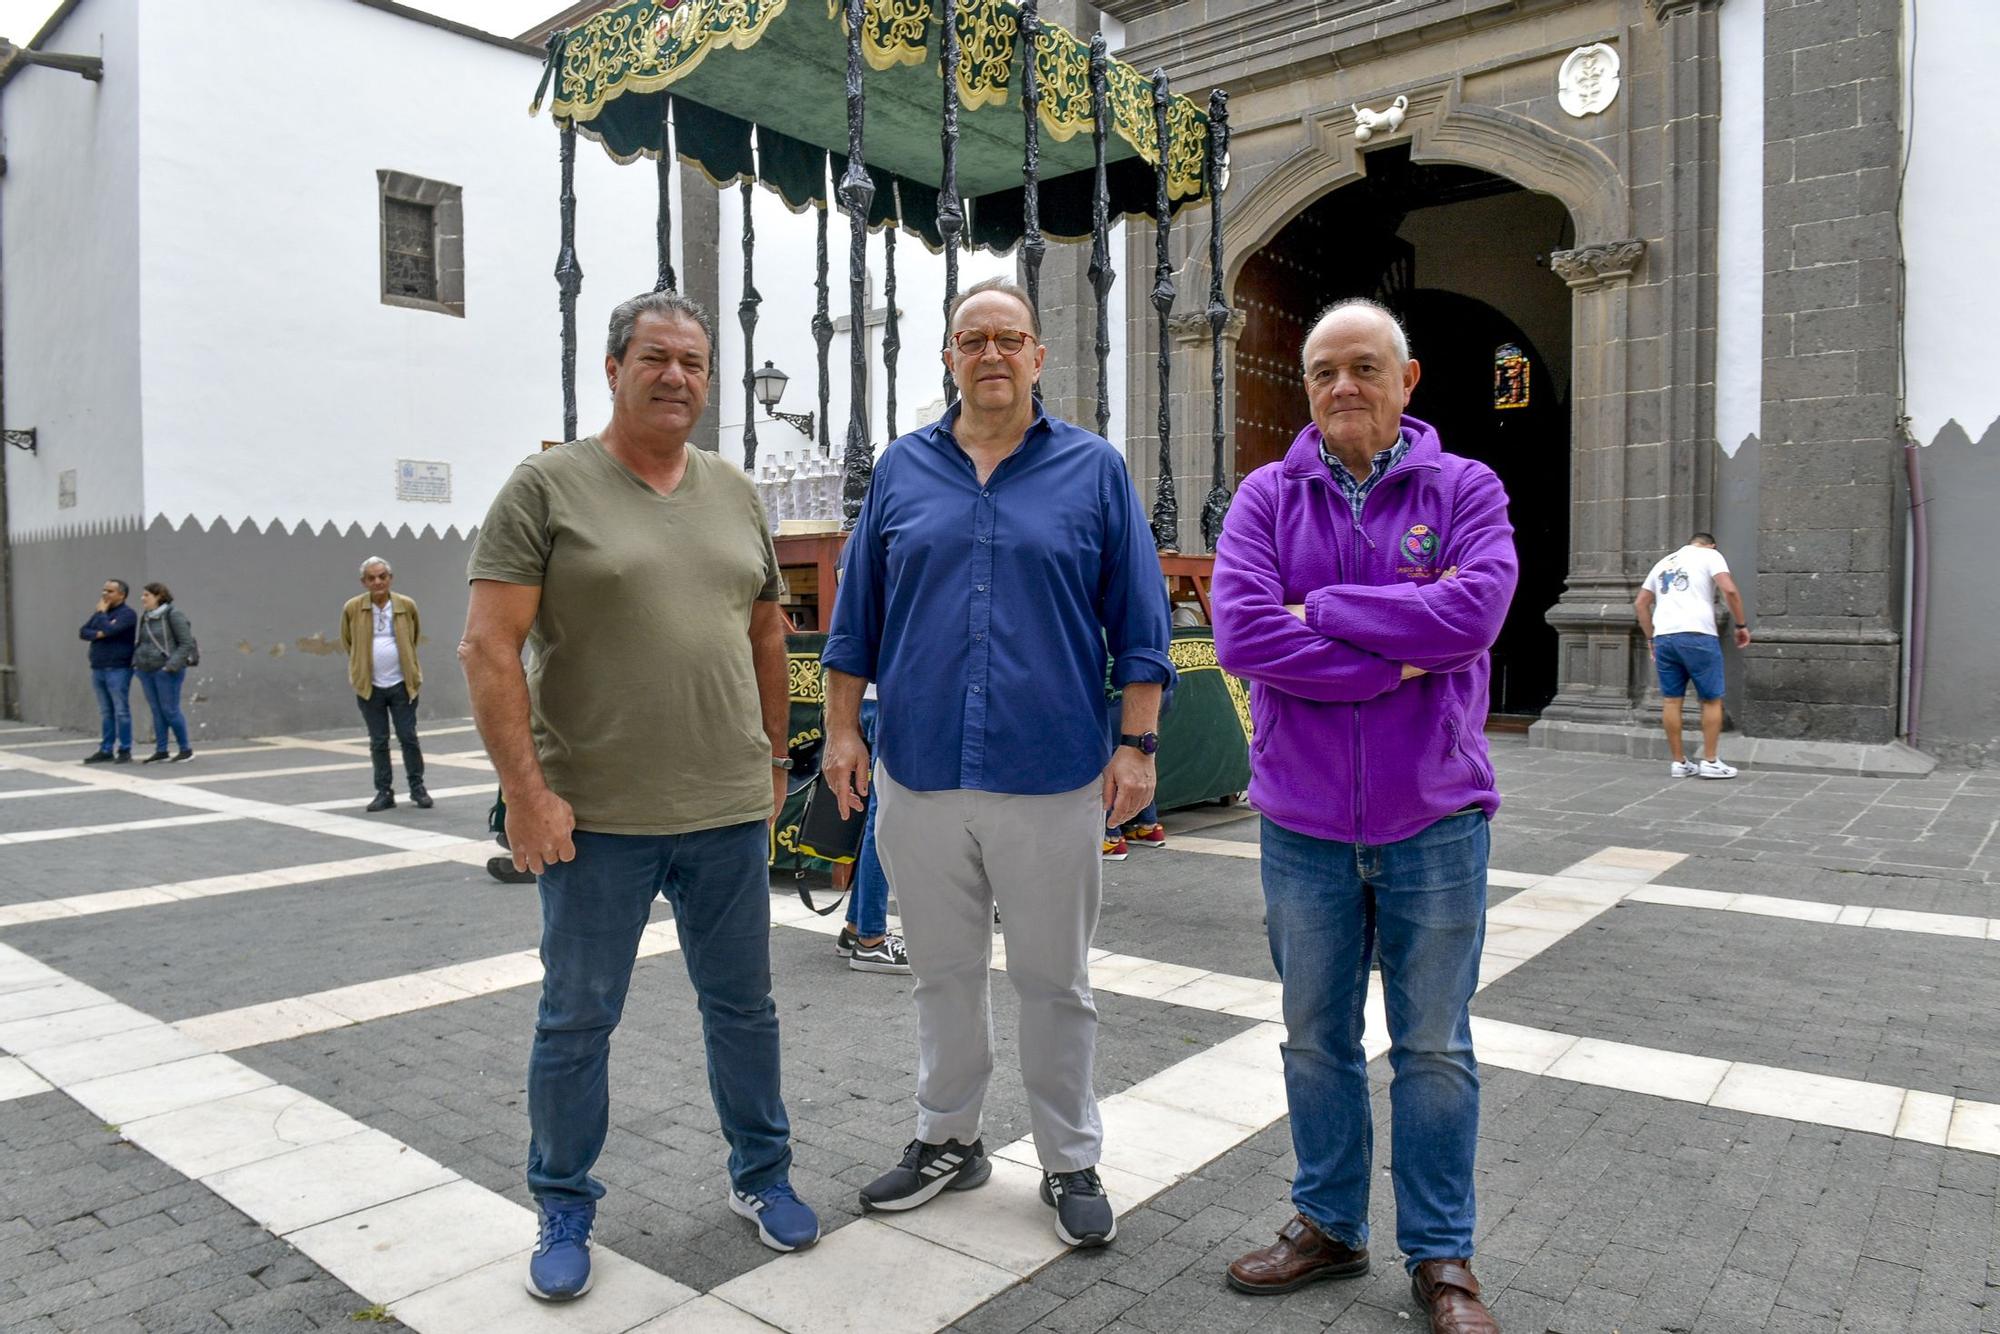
column 163, row 697
column 1424, row 901
column 868, row 904
column 386, row 704
column 113, row 686
column 593, row 909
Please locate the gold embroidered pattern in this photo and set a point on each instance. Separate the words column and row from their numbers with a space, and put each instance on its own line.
column 892, row 31
column 1198, row 655
column 803, row 678
column 987, row 37
column 645, row 47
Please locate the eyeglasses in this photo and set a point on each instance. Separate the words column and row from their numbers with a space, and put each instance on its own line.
column 972, row 343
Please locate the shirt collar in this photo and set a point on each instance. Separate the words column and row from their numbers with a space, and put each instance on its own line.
column 945, row 427
column 1382, row 462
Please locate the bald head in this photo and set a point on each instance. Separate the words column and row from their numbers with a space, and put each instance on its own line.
column 1359, row 309
column 1359, row 377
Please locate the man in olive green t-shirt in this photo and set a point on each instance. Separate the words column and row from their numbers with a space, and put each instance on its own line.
column 643, row 753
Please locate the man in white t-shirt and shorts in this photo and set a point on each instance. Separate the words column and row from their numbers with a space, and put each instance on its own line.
column 1676, row 609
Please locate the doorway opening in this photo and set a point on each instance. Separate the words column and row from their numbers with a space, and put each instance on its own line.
column 1461, row 256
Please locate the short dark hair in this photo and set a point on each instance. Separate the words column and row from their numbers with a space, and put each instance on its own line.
column 160, row 591
column 1015, row 290
column 124, row 589
column 1706, row 539
column 625, row 318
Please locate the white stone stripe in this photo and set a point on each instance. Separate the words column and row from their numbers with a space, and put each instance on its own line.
column 382, row 1218
column 437, row 793
column 119, row 827
column 1830, row 914
column 115, row 900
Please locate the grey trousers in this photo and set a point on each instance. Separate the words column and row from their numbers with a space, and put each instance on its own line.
column 950, row 857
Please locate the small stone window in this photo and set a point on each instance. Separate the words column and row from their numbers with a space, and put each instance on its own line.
column 423, row 243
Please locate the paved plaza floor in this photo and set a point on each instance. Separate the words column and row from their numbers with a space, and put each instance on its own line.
column 262, row 1062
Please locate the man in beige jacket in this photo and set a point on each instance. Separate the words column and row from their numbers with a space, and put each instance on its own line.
column 380, row 630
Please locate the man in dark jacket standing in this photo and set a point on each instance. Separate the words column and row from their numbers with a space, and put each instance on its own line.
column 1358, row 585
column 112, row 631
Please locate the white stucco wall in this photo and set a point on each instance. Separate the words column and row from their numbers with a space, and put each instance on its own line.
column 277, row 384
column 1951, row 198
column 1739, row 315
column 69, row 235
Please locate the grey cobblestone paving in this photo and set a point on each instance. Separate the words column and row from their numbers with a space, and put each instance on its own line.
column 450, row 1082
column 176, row 960
column 89, row 808
column 101, row 1238
column 155, row 856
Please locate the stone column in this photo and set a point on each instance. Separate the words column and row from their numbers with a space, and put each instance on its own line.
column 1598, row 658
column 1826, row 663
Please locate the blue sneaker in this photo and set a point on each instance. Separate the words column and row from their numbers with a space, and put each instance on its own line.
column 559, row 1270
column 784, row 1221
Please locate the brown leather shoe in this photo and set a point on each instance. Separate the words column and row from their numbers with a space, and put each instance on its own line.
column 1301, row 1255
column 1448, row 1294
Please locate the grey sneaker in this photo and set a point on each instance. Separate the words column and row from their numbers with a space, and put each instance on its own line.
column 927, row 1169
column 1083, row 1211
column 889, row 955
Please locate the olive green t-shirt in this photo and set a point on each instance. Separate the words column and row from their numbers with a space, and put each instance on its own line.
column 644, row 697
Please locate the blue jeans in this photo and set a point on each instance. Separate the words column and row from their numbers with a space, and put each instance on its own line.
column 868, row 904
column 163, row 696
column 114, row 706
column 1424, row 901
column 1682, row 658
column 593, row 909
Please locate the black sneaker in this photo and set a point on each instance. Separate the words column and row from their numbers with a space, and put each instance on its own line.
column 98, row 757
column 383, row 801
column 844, row 943
column 124, row 757
column 925, row 1170
column 157, row 757
column 421, row 797
column 1083, row 1211
column 184, row 756
column 888, row 955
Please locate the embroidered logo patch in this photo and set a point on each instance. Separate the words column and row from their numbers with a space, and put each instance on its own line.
column 1420, row 543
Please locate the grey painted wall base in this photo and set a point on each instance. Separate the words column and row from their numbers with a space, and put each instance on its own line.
column 265, row 605
column 1855, row 759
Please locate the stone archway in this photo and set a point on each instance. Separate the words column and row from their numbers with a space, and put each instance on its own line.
column 1599, row 677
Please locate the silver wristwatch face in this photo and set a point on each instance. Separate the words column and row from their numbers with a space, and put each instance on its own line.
column 781, row 762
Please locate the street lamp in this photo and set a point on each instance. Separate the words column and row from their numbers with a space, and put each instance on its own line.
column 769, row 384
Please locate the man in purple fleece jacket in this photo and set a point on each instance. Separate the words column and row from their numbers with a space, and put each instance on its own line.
column 1359, row 583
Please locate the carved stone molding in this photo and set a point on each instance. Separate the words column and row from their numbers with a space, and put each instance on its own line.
column 1595, row 265
column 1193, row 327
column 1664, row 10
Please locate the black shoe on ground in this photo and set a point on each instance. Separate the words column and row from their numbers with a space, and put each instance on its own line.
column 185, row 754
column 156, row 757
column 98, row 757
column 925, row 1170
column 844, row 943
column 420, row 796
column 124, row 757
column 1083, row 1211
column 383, row 801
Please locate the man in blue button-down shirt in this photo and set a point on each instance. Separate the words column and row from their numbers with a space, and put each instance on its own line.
column 999, row 553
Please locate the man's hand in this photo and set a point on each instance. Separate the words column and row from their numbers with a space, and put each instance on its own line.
column 539, row 826
column 1743, row 636
column 844, row 768
column 779, row 783
column 1129, row 781
column 101, row 608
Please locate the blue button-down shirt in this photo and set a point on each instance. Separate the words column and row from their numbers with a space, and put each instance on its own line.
column 984, row 611
column 1357, row 491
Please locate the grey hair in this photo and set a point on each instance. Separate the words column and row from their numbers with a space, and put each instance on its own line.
column 1003, row 286
column 376, row 560
column 625, row 318
column 1399, row 337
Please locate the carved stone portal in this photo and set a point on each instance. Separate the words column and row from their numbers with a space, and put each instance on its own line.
column 1588, row 81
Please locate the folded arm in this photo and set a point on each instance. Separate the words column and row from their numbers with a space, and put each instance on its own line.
column 1259, row 639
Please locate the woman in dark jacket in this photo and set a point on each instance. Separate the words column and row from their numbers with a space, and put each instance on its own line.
column 166, row 642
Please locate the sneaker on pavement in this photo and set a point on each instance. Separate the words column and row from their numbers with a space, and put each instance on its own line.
column 925, row 1170
column 421, row 797
column 383, row 801
column 1715, row 769
column 888, row 955
column 156, row 757
column 184, row 756
column 98, row 757
column 1116, row 849
column 124, row 757
column 784, row 1221
column 1683, row 769
column 1083, row 1211
column 559, row 1270
column 843, row 944
column 1146, row 835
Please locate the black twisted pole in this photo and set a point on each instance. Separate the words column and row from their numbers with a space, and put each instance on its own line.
column 1216, row 506
column 1166, row 505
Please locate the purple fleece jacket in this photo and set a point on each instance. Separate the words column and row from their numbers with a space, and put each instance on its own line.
column 1344, row 748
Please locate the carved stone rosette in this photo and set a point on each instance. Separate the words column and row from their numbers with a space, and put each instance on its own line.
column 1596, row 265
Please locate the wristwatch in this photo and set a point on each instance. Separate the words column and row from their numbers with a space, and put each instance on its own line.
column 781, row 761
column 1146, row 743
